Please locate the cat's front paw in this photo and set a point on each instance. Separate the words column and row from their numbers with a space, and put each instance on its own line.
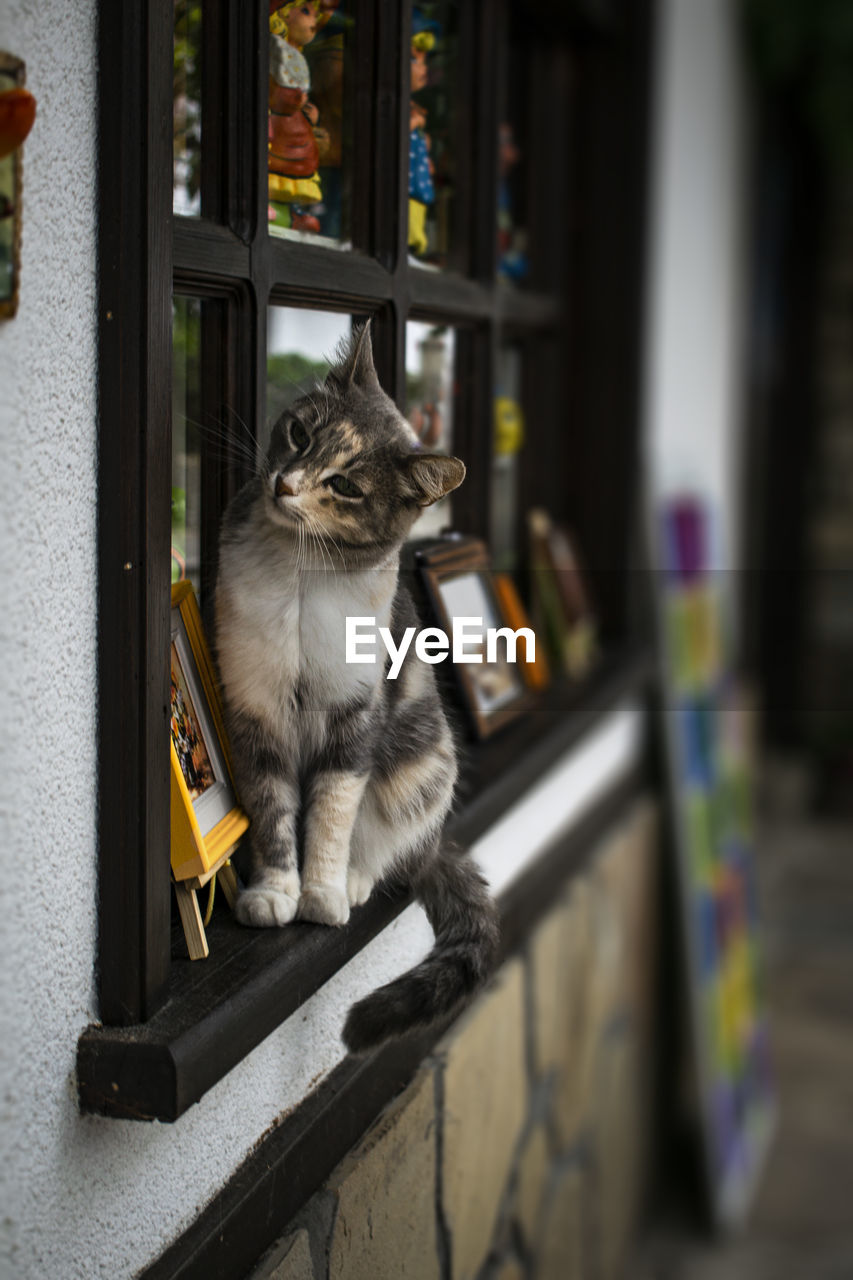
column 324, row 904
column 265, row 908
column 359, row 887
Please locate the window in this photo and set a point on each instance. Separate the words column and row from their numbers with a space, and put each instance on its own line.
column 226, row 281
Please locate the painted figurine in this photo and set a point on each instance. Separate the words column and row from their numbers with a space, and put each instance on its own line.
column 421, row 188
column 294, row 184
column 326, row 61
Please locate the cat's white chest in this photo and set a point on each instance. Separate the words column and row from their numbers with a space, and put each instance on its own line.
column 326, row 601
column 257, row 611
column 278, row 629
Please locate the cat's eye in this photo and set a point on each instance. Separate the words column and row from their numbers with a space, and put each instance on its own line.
column 344, row 487
column 299, row 436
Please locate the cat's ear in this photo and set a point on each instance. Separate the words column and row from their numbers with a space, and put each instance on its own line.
column 354, row 365
column 433, row 475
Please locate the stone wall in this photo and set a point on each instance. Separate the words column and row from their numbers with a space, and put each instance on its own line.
column 520, row 1149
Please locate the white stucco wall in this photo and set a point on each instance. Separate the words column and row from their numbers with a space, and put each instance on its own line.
column 697, row 278
column 84, row 1197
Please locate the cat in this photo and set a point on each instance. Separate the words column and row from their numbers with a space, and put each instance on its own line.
column 357, row 769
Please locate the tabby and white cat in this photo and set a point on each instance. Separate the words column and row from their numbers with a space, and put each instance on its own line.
column 347, row 776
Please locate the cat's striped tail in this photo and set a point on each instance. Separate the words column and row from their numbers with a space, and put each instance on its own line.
column 465, row 922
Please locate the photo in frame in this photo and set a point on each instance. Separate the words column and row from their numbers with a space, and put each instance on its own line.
column 206, row 819
column 458, row 581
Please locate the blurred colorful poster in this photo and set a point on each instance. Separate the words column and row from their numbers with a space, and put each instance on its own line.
column 711, row 767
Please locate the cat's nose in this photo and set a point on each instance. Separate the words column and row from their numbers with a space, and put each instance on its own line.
column 282, row 487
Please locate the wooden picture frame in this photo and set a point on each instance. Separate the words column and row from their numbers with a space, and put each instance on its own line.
column 560, row 599
column 206, row 818
column 454, row 571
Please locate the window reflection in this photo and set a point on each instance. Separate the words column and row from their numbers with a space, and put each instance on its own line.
column 326, row 60
column 308, row 141
column 514, row 177
column 432, row 154
column 508, row 442
column 430, row 372
column 186, row 441
column 186, row 108
column 512, row 236
column 300, row 347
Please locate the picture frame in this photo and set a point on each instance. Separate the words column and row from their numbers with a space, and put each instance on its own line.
column 206, row 818
column 559, row 596
column 537, row 674
column 458, row 581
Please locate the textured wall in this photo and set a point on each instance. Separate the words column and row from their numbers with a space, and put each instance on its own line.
column 81, row 1196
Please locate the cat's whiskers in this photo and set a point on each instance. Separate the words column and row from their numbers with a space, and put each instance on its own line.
column 241, row 423
column 231, row 448
column 331, row 538
column 300, row 548
column 319, row 541
column 254, row 451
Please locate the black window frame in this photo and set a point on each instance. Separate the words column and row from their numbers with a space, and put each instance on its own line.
column 595, row 77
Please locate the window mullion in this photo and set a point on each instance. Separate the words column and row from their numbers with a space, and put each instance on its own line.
column 134, row 487
column 473, row 418
column 390, row 151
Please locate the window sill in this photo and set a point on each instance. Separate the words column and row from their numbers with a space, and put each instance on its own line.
column 219, row 1010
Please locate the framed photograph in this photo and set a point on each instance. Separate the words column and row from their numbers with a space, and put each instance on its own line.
column 207, row 820
column 459, row 585
column 560, row 600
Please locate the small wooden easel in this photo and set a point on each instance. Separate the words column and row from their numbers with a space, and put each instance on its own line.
column 186, row 893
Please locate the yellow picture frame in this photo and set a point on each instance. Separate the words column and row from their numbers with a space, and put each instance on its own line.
column 206, row 819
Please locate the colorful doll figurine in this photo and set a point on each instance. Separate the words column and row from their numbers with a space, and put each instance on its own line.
column 293, row 154
column 326, row 61
column 421, row 189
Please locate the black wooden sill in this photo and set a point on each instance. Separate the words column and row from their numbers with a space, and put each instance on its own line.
column 221, row 1008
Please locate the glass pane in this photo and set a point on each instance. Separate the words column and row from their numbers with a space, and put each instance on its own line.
column 511, row 229
column 186, row 440
column 300, row 348
column 432, row 143
column 430, row 375
column 512, row 248
column 508, row 441
column 309, row 136
column 186, row 108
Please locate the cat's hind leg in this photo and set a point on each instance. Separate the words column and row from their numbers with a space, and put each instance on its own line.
column 403, row 810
